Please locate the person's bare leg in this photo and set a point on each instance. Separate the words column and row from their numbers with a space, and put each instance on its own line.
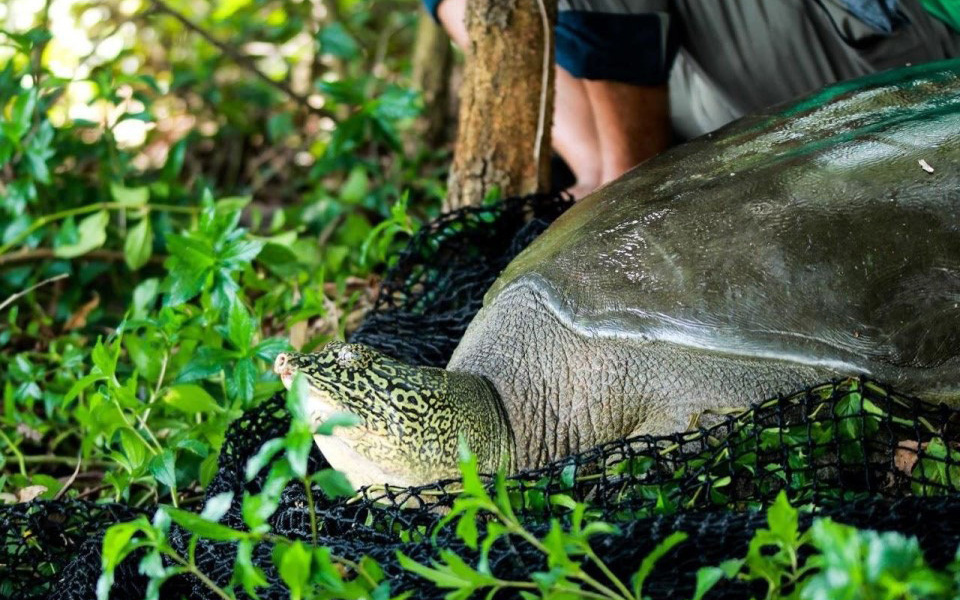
column 452, row 15
column 574, row 131
column 633, row 123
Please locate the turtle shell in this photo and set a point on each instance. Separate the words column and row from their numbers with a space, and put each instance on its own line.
column 826, row 231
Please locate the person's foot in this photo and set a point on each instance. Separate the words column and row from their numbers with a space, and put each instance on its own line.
column 580, row 190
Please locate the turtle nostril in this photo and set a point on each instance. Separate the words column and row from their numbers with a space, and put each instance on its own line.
column 280, row 363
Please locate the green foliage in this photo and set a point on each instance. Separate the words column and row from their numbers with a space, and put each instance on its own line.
column 192, row 213
column 843, row 420
column 173, row 208
column 566, row 549
column 842, row 563
column 308, row 571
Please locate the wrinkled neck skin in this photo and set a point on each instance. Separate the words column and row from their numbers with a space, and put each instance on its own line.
column 412, row 419
column 482, row 421
column 410, row 433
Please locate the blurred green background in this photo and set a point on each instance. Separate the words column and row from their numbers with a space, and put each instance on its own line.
column 187, row 189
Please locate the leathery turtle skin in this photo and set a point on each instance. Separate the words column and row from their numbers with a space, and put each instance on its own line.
column 792, row 246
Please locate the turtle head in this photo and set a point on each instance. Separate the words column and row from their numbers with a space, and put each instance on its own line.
column 410, row 418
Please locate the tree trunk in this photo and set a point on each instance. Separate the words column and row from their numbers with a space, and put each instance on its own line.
column 503, row 140
column 432, row 64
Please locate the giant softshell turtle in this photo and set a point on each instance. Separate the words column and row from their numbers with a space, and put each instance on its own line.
column 792, row 246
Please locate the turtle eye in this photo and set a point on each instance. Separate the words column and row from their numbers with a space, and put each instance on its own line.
column 353, row 356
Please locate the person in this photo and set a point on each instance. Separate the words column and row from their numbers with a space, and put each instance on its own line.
column 633, row 74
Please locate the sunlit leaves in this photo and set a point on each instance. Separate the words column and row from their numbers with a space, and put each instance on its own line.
column 293, row 564
column 130, row 196
column 227, row 8
column 118, row 543
column 91, row 234
column 204, row 526
column 208, row 258
column 333, row 483
column 163, row 468
column 191, row 399
column 138, row 246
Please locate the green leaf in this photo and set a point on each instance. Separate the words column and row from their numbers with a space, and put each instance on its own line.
column 397, row 103
column 783, row 519
column 240, row 253
column 202, row 527
column 185, row 283
column 194, row 446
column 333, row 483
column 650, row 560
column 264, row 455
column 709, row 577
column 355, row 188
column 151, row 565
column 226, row 8
column 226, row 292
column 134, row 449
column 195, row 254
column 336, row 41
column 136, row 196
column 138, row 246
column 205, row 362
column 467, row 530
column 279, row 126
column 105, row 357
column 455, row 575
column 116, row 546
column 269, row 348
column 337, row 419
column 162, row 467
column 92, row 233
column 298, row 398
column 208, row 469
column 299, row 443
column 216, row 506
column 115, row 541
column 230, row 204
column 293, row 565
column 144, row 296
column 82, row 384
column 21, row 113
column 191, row 398
column 240, row 328
column 250, row 575
column 240, row 386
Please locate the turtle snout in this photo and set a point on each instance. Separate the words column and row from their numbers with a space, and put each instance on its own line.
column 283, row 366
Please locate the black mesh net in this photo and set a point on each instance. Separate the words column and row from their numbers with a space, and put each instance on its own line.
column 851, row 448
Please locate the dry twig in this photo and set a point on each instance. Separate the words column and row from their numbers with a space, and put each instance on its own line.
column 22, row 293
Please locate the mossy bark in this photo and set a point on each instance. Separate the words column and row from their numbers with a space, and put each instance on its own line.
column 503, row 139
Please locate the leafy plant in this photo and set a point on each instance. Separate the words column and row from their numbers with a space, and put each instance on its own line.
column 830, row 561
column 307, row 570
column 175, row 211
column 567, row 550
